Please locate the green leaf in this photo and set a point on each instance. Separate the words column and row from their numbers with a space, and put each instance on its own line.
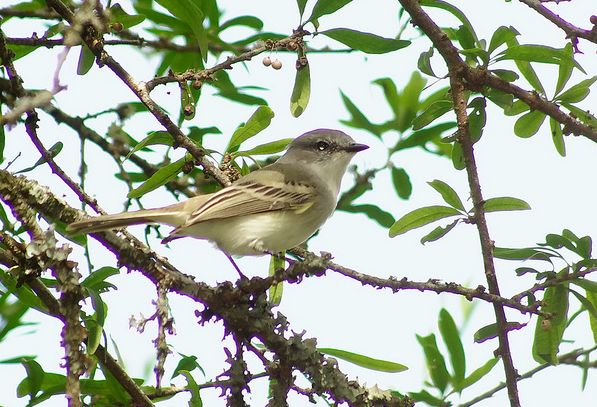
column 324, row 7
column 454, row 11
column 373, row 212
column 501, row 99
column 592, row 298
column 159, row 178
column 154, row 138
column 458, row 156
column 529, row 124
column 2, row 143
column 448, row 194
column 301, row 6
column 424, row 62
column 259, row 120
column 436, row 364
column 358, row 119
column 364, row 361
column 392, row 96
column 401, row 182
column 526, row 253
column 186, row 363
column 86, row 60
column 265, row 149
column 421, row 137
column 52, row 152
column 409, row 101
column 118, row 15
column 527, row 70
column 426, row 397
column 549, row 332
column 35, row 376
column 421, row 217
column 500, row 36
column 434, row 111
column 94, row 334
column 565, row 69
column 477, row 118
column 557, row 136
column 275, row 291
column 438, row 233
column 578, row 92
column 505, row 203
column 187, row 101
column 365, row 42
column 302, row 89
column 23, row 292
column 538, row 53
column 245, row 21
column 190, row 12
column 451, row 338
column 478, row 374
column 505, row 74
column 194, row 389
column 95, row 280
column 516, row 108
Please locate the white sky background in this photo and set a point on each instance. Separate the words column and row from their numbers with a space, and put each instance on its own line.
column 335, row 310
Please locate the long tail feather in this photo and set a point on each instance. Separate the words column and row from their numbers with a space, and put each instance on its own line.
column 106, row 222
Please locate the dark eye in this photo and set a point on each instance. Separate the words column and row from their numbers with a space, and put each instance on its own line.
column 322, row 145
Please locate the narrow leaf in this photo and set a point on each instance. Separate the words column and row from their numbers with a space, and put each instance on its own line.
column 478, row 374
column 505, row 203
column 365, row 361
column 324, row 7
column 302, row 88
column 549, row 332
column 86, row 60
column 261, row 119
column 438, row 232
column 421, row 217
column 366, row 42
column 521, row 254
column 265, row 149
column 451, row 338
column 501, row 36
column 557, row 136
column 433, row 112
column 424, row 62
column 373, row 212
column 161, row 177
column 401, row 182
column 578, row 92
column 275, row 291
column 448, row 194
column 154, row 138
column 436, row 364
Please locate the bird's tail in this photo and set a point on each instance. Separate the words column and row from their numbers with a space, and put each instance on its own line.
column 169, row 216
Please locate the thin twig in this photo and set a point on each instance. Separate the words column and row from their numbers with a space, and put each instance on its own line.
column 573, row 32
column 567, row 358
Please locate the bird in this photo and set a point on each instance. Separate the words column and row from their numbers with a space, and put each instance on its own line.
column 267, row 211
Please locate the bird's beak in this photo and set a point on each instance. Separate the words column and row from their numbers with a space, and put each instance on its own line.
column 356, row 147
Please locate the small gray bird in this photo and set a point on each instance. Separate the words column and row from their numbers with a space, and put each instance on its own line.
column 267, row 211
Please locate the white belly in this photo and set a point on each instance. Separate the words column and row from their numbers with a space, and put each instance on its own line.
column 269, row 232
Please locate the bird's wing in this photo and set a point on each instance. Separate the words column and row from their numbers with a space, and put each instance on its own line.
column 251, row 197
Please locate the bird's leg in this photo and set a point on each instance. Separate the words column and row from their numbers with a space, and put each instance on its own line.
column 240, row 273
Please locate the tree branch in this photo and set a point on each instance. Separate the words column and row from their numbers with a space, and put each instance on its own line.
column 474, row 78
column 573, row 32
column 567, row 358
column 95, row 43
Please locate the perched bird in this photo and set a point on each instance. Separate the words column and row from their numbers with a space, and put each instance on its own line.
column 267, row 211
